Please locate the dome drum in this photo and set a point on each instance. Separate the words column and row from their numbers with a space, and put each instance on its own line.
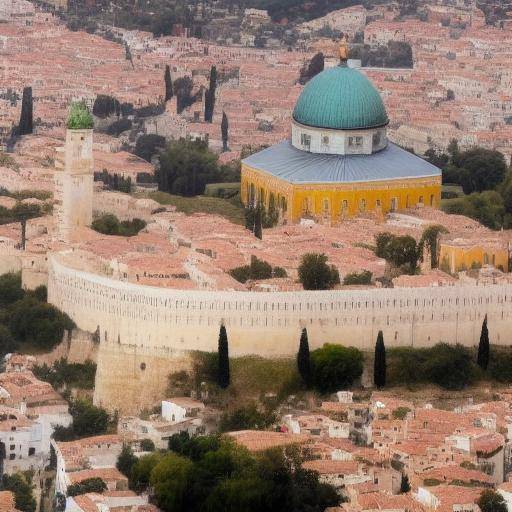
column 338, row 142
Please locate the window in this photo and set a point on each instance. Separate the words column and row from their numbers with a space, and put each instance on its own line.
column 326, row 205
column 12, row 456
column 362, row 205
column 31, row 451
column 377, row 203
column 355, row 141
column 432, row 200
column 325, row 140
column 376, row 139
column 420, row 200
column 144, row 430
column 12, row 447
column 305, row 140
column 344, row 204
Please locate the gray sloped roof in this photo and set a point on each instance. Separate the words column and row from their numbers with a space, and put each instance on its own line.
column 288, row 163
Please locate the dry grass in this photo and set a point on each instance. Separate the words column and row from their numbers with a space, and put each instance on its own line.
column 231, row 210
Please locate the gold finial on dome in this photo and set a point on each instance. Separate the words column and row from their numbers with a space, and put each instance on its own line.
column 343, row 49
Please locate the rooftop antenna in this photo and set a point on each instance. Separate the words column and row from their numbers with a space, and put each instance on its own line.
column 343, row 50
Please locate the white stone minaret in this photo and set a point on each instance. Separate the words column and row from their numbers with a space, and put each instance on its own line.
column 74, row 179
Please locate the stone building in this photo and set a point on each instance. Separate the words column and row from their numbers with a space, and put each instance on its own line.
column 339, row 161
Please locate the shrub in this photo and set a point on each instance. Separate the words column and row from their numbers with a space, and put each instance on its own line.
column 79, row 117
column 146, row 445
column 335, row 367
column 94, row 484
column 20, row 484
column 248, row 417
column 363, row 277
column 400, row 413
column 109, row 225
column 500, row 367
column 77, row 375
column 316, row 274
column 449, row 366
column 258, row 269
column 88, row 420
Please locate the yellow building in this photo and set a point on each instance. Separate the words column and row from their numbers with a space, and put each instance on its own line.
column 339, row 162
column 463, row 254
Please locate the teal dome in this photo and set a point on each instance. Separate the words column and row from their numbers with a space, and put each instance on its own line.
column 340, row 98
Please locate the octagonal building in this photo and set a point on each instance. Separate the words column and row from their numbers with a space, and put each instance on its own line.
column 339, row 162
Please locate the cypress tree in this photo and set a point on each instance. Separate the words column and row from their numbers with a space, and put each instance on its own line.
column 483, row 347
column 223, row 368
column 169, row 93
column 128, row 54
column 303, row 361
column 209, row 105
column 224, row 128
column 249, row 218
column 379, row 364
column 26, row 118
column 258, row 229
column 405, row 486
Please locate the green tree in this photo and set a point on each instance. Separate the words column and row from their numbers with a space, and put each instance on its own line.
column 430, row 238
column 147, row 445
column 38, row 323
column 379, row 364
column 128, row 54
column 224, row 128
column 25, row 126
column 485, row 207
column 7, row 343
column 258, row 222
column 250, row 218
column 106, row 106
column 316, row 274
column 223, row 377
column 335, row 367
column 169, row 480
column 303, row 358
column 484, row 169
column 169, row 93
column 209, row 103
column 187, row 166
column 141, row 471
column 20, row 484
column 405, row 486
column 313, row 68
column 22, row 212
column 491, row 501
column 484, row 347
column 149, row 145
column 10, row 288
column 400, row 251
column 88, row 420
column 94, row 484
column 126, row 461
column 248, row 417
column 183, row 89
